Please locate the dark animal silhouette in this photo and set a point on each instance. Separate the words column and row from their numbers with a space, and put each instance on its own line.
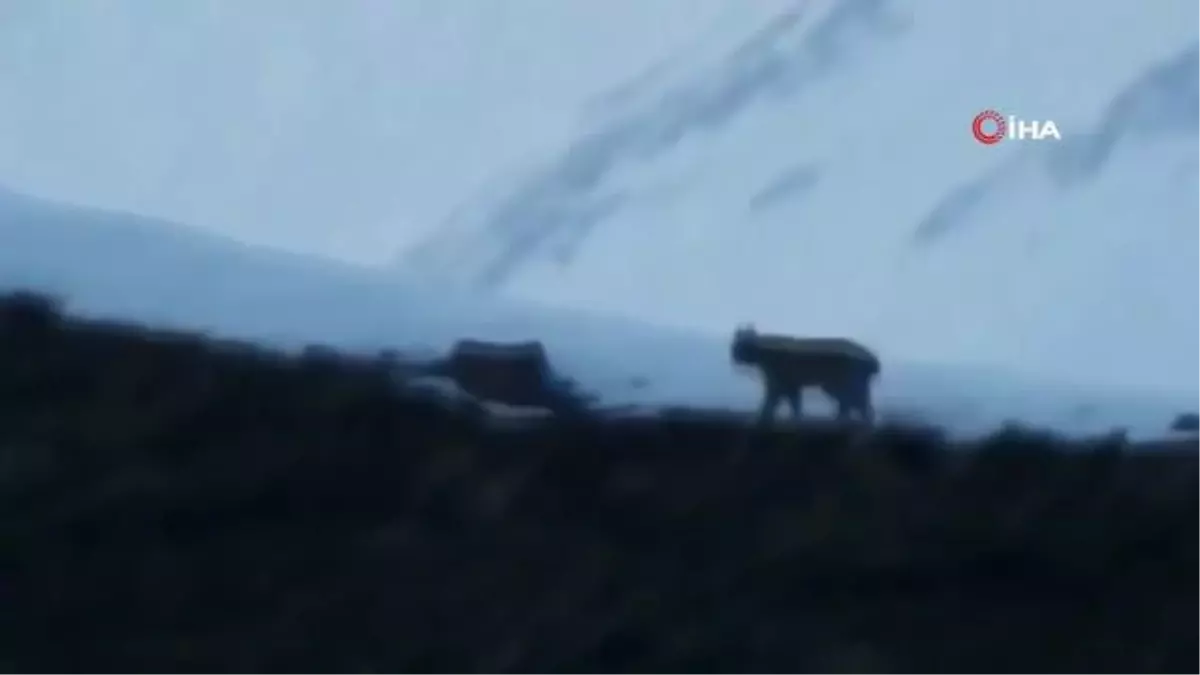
column 1186, row 422
column 514, row 374
column 842, row 368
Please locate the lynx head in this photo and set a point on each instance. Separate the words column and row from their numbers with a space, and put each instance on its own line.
column 745, row 344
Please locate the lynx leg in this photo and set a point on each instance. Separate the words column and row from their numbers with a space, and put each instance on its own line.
column 856, row 399
column 861, row 397
column 795, row 399
column 866, row 409
column 770, row 402
column 842, row 397
column 844, row 408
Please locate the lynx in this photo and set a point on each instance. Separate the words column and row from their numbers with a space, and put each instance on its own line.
column 842, row 368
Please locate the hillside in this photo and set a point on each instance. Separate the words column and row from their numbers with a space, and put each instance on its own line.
column 120, row 265
column 172, row 503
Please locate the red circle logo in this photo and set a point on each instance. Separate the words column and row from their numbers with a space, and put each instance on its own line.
column 989, row 137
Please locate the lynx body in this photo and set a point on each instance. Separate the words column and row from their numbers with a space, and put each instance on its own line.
column 842, row 368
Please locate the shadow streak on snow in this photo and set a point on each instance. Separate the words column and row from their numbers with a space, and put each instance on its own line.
column 558, row 204
column 1163, row 101
column 795, row 182
column 956, row 207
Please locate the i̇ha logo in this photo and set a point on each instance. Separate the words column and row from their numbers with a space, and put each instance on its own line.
column 990, row 127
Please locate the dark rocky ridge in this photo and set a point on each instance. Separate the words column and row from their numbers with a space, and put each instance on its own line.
column 173, row 503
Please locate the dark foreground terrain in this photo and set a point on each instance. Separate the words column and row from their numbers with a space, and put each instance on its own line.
column 174, row 504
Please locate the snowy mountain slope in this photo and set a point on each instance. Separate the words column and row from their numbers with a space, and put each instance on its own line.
column 343, row 129
column 799, row 181
column 1164, row 103
column 568, row 196
column 124, row 265
column 1092, row 245
column 118, row 265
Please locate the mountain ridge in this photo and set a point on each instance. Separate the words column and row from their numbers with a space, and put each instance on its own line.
column 106, row 265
